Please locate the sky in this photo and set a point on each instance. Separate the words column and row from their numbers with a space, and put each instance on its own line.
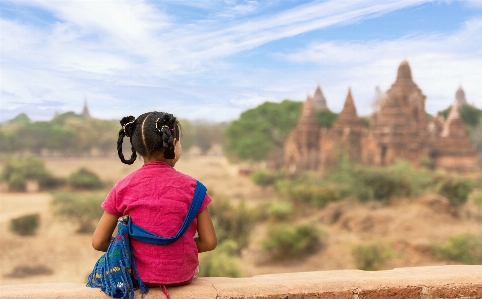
column 212, row 60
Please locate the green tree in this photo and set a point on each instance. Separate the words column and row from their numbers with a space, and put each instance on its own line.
column 470, row 114
column 261, row 130
column 325, row 118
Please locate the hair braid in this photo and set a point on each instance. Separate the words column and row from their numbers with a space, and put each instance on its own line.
column 167, row 135
column 128, row 126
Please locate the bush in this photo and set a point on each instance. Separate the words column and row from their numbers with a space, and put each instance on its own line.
column 82, row 208
column 378, row 183
column 280, row 210
column 221, row 262
column 371, row 256
column 233, row 222
column 289, row 241
column 28, row 271
column 382, row 184
column 85, row 179
column 455, row 188
column 266, row 177
column 304, row 191
column 17, row 170
column 25, row 225
column 464, row 248
column 17, row 183
column 49, row 182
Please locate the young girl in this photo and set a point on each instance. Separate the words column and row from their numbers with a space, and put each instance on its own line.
column 157, row 198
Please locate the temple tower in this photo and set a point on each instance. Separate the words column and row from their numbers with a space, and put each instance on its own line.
column 344, row 137
column 302, row 145
column 460, row 99
column 453, row 149
column 400, row 130
column 319, row 101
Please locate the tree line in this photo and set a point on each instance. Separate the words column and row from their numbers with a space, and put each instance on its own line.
column 257, row 135
column 71, row 134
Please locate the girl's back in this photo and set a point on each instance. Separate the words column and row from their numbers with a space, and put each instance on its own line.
column 157, row 198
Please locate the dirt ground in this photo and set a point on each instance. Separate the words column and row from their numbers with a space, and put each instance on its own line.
column 408, row 226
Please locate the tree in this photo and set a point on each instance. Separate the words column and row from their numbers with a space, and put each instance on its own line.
column 261, row 130
column 326, row 118
column 469, row 114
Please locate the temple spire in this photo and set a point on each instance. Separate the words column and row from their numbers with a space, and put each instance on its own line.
column 319, row 101
column 85, row 111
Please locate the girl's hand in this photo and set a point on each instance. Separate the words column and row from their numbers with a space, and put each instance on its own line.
column 206, row 239
column 103, row 232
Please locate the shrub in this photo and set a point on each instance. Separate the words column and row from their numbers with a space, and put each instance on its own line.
column 233, row 222
column 464, row 248
column 455, row 188
column 84, row 179
column 280, row 210
column 81, row 208
column 371, row 256
column 17, row 183
column 221, row 262
column 382, row 184
column 288, row 240
column 17, row 170
column 378, row 183
column 28, row 270
column 308, row 192
column 25, row 225
column 266, row 177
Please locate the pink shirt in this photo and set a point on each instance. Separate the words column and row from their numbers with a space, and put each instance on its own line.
column 157, row 198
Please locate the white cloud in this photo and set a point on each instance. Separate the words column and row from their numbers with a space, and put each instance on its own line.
column 439, row 64
column 107, row 49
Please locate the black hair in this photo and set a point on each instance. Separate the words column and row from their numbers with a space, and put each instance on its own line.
column 151, row 132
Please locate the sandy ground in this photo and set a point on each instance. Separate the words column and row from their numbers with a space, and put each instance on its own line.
column 408, row 226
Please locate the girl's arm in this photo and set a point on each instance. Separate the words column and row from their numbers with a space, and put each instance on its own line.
column 206, row 239
column 103, row 232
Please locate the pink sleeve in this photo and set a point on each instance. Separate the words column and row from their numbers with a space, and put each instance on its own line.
column 206, row 202
column 109, row 204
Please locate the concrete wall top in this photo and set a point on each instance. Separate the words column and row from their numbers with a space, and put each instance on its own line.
column 418, row 282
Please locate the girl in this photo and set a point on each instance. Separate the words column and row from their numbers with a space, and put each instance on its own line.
column 157, row 198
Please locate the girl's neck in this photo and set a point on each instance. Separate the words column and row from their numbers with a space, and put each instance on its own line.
column 158, row 158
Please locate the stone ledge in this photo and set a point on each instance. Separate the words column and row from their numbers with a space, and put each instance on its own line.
column 418, row 283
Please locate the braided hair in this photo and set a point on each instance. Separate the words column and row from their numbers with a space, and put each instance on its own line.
column 150, row 133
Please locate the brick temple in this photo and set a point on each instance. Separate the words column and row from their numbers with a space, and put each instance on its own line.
column 399, row 130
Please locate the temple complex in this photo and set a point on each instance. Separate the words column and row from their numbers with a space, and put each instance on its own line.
column 399, row 129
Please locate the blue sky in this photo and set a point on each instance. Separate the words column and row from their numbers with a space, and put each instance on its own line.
column 214, row 59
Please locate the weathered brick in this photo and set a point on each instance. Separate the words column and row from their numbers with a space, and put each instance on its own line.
column 392, row 293
column 457, row 291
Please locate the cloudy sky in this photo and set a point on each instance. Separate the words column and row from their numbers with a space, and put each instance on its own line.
column 214, row 59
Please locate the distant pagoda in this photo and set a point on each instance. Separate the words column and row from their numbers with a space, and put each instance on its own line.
column 85, row 111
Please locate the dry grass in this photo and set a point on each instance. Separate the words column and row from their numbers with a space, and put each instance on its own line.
column 409, row 226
